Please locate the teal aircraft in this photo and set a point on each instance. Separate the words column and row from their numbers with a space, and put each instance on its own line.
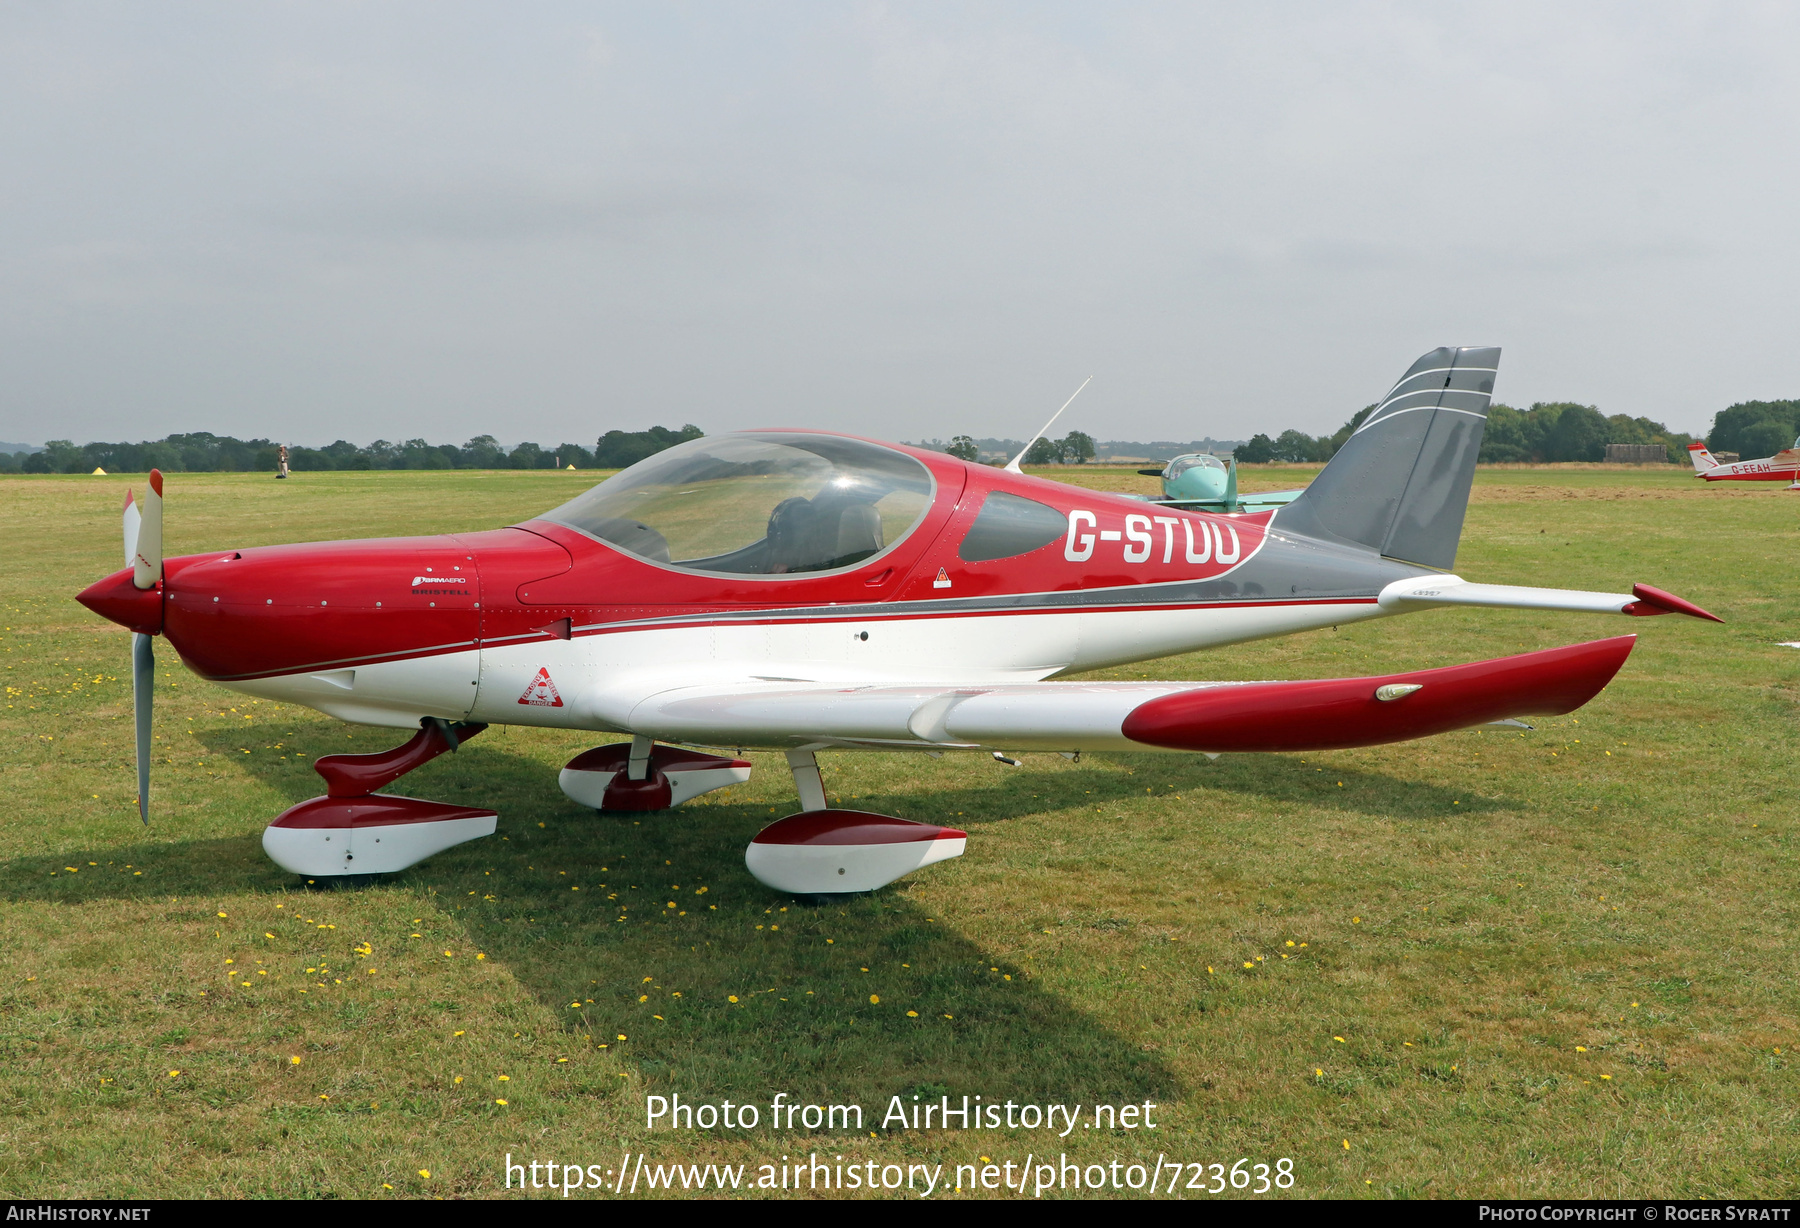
column 1202, row 480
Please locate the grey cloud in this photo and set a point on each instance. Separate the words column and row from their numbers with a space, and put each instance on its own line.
column 901, row 220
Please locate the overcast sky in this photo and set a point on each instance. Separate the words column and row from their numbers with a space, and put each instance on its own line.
column 545, row 221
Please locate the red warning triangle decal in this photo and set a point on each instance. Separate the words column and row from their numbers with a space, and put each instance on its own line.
column 943, row 579
column 542, row 692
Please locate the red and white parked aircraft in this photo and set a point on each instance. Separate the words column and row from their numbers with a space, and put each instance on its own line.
column 1784, row 466
column 802, row 591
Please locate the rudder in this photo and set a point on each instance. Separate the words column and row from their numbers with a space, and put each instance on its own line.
column 1400, row 484
column 1703, row 460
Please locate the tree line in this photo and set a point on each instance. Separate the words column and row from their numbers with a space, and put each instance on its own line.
column 1075, row 448
column 1548, row 432
column 1754, row 429
column 204, row 452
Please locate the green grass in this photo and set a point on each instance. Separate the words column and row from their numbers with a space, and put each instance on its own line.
column 1561, row 964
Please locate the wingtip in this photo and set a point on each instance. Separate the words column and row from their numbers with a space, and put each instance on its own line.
column 156, row 482
column 1656, row 601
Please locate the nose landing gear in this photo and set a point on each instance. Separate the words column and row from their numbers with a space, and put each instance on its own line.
column 354, row 830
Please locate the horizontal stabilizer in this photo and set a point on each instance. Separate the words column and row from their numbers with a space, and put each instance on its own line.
column 1420, row 591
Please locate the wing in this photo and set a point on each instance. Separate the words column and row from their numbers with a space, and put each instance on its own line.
column 1212, row 717
column 1255, row 501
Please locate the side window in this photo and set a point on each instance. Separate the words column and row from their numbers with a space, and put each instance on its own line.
column 1010, row 525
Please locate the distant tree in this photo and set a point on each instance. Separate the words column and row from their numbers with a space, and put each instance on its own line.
column 344, row 454
column 62, row 456
column 619, row 449
column 1043, row 452
column 482, row 452
column 1765, row 438
column 309, row 460
column 1258, row 451
column 1579, row 434
column 1732, row 426
column 1296, row 447
column 574, row 454
column 1507, row 439
column 1078, row 447
column 528, row 456
column 963, row 448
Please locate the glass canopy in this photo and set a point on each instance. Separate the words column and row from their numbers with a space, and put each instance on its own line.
column 758, row 504
column 1182, row 464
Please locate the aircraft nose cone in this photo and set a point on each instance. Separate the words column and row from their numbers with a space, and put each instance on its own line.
column 116, row 598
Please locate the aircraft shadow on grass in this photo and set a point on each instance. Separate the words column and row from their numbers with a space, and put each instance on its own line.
column 804, row 1020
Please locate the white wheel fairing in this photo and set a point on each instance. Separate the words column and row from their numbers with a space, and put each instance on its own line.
column 318, row 852
column 810, row 869
column 589, row 788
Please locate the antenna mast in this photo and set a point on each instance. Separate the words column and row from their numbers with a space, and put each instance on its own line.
column 1012, row 466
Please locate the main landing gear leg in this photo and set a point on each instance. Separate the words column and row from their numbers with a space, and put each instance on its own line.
column 355, row 830
column 805, row 766
column 639, row 775
column 821, row 852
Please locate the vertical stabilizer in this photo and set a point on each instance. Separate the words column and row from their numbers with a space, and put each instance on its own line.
column 1703, row 460
column 1400, row 484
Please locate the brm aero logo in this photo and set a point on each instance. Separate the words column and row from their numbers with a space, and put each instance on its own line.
column 421, row 584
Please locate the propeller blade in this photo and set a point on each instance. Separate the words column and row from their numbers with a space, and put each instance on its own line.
column 147, row 550
column 133, row 518
column 143, row 677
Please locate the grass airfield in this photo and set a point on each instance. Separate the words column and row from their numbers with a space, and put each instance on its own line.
column 1562, row 963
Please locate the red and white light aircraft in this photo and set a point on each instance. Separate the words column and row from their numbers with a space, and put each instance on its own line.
column 801, row 591
column 1784, row 466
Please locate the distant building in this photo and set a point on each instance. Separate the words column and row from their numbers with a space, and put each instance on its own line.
column 1636, row 454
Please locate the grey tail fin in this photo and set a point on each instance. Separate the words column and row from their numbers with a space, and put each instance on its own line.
column 1400, row 484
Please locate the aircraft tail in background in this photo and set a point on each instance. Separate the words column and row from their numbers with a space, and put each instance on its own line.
column 1703, row 460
